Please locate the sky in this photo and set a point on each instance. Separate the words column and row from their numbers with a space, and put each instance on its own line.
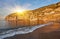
column 7, row 6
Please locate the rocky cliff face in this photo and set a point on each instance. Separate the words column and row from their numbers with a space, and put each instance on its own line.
column 50, row 13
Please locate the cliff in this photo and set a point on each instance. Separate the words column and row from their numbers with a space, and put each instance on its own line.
column 50, row 13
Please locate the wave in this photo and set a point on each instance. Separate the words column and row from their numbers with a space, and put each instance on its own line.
column 23, row 30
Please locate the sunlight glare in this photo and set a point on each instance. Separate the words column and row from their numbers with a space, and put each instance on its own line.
column 20, row 11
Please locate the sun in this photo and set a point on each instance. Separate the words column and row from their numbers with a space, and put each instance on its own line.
column 20, row 10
